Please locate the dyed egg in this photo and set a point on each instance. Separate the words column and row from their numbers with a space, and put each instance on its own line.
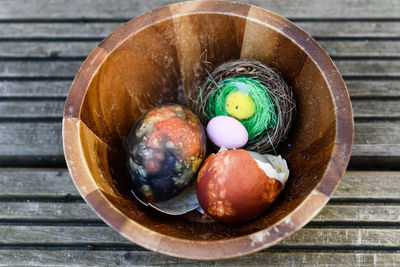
column 234, row 187
column 165, row 149
column 240, row 105
column 228, row 132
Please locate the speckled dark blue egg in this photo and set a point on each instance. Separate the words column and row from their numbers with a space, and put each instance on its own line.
column 165, row 150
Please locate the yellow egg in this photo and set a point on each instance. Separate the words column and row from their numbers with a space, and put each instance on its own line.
column 240, row 105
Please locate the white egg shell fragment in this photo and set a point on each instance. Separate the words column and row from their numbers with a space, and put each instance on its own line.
column 274, row 166
column 184, row 202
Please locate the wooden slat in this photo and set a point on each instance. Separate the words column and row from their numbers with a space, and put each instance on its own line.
column 60, row 235
column 375, row 145
column 73, row 212
column 104, row 235
column 57, row 183
column 348, row 68
column 40, row 68
column 369, row 68
column 351, row 29
column 376, row 133
column 55, row 108
column 34, row 88
column 385, row 109
column 82, row 49
column 60, row 88
column 358, row 213
column 47, row 49
column 100, row 30
column 31, row 109
column 44, row 139
column 373, row 88
column 30, row 139
column 58, row 30
column 369, row 185
column 377, row 150
column 338, row 237
column 361, row 48
column 147, row 258
column 36, row 183
column 47, row 211
column 16, row 9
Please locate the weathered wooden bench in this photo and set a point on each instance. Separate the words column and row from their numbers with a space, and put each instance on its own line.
column 43, row 220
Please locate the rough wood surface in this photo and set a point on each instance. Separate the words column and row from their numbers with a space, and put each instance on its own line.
column 99, row 30
column 362, row 48
column 63, row 69
column 364, row 185
column 373, row 88
column 104, row 235
column 30, row 139
column 37, row 108
column 376, row 150
column 365, row 212
column 79, row 49
column 68, row 69
column 47, row 211
column 44, row 139
column 43, row 220
column 376, row 133
column 369, row 68
column 57, row 183
column 43, row 183
column 351, row 29
column 21, row 9
column 14, row 257
column 55, row 49
column 49, row 89
column 385, row 109
column 332, row 214
column 52, row 89
column 80, row 30
column 32, row 108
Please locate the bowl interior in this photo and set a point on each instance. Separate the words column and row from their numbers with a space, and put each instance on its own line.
column 164, row 59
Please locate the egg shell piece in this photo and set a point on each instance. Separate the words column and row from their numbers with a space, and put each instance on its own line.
column 280, row 165
column 232, row 188
column 227, row 132
column 184, row 202
column 274, row 166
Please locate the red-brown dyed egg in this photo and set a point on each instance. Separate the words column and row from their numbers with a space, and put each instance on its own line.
column 231, row 187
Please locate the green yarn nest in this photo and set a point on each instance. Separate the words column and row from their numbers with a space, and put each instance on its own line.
column 275, row 105
column 264, row 116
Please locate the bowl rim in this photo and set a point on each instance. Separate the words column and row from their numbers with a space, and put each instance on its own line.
column 218, row 249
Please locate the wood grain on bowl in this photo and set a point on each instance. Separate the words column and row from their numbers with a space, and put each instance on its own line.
column 156, row 58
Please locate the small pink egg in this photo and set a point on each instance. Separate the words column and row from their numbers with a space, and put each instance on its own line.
column 228, row 132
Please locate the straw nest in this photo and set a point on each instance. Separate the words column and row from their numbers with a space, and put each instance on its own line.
column 277, row 89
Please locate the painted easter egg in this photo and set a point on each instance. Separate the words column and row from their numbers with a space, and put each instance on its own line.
column 233, row 186
column 165, row 149
column 228, row 132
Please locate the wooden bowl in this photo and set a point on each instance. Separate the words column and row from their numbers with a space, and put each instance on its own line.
column 156, row 58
